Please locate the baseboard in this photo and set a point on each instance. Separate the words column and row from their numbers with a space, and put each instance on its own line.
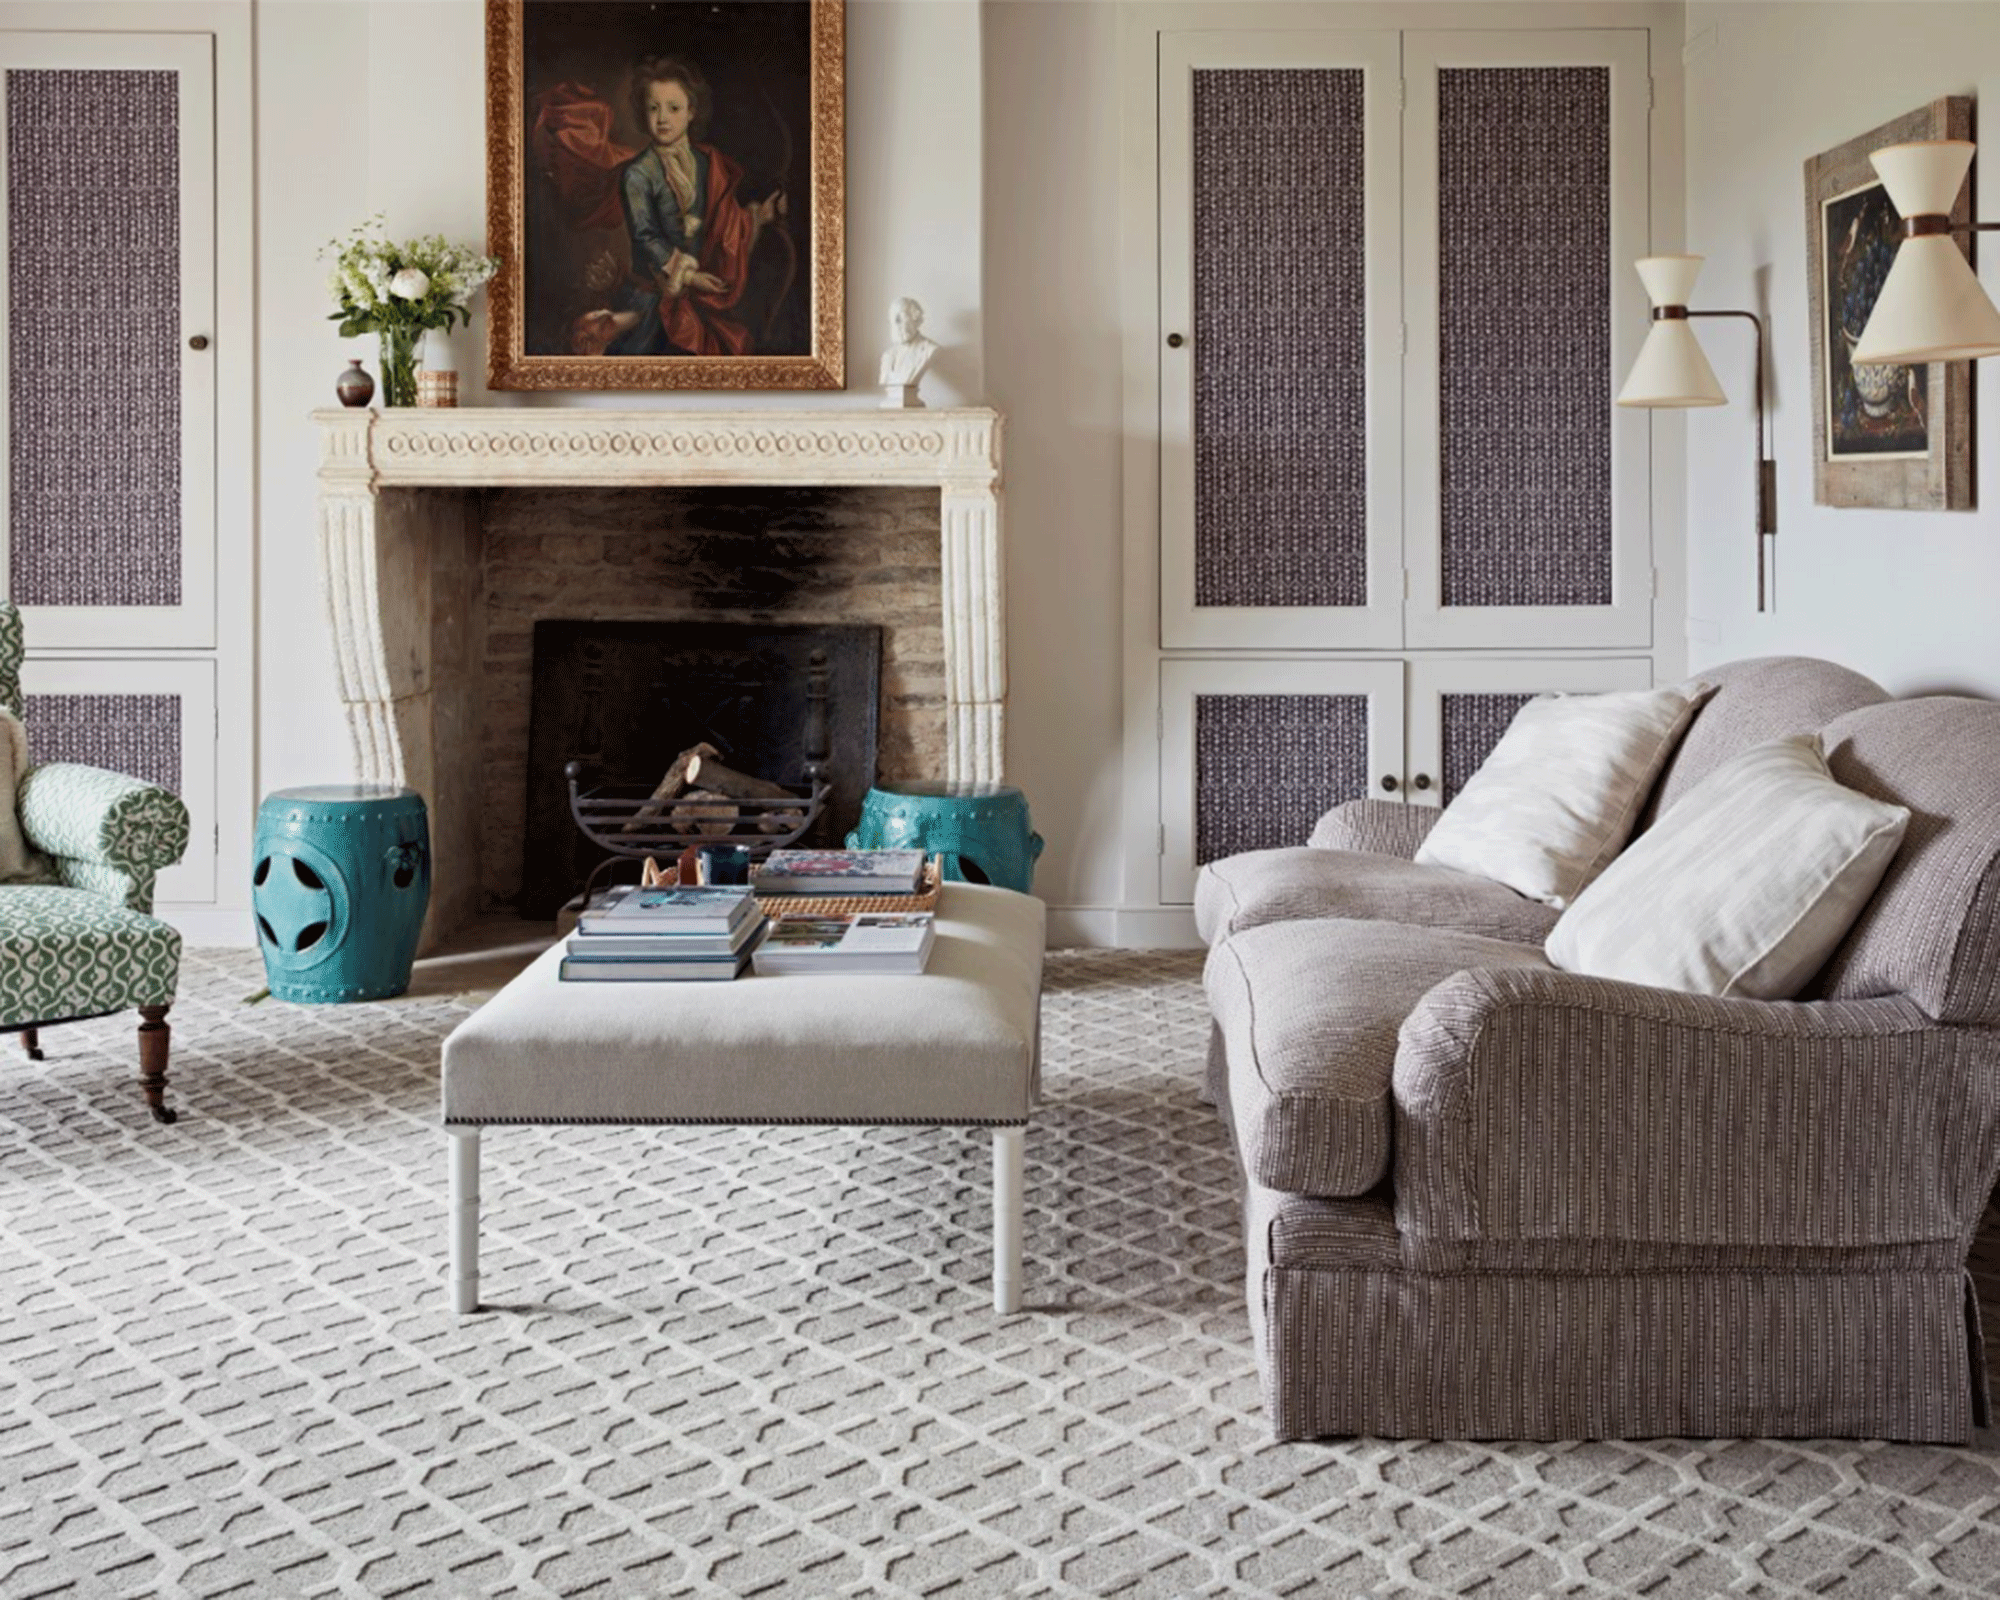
column 225, row 927
column 1122, row 928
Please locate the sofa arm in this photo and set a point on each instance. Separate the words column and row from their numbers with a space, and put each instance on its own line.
column 1379, row 827
column 1532, row 1104
column 108, row 833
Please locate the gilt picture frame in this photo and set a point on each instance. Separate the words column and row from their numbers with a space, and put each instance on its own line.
column 665, row 192
column 1888, row 437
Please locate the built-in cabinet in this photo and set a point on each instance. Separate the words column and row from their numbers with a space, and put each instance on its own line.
column 108, row 381
column 1395, row 498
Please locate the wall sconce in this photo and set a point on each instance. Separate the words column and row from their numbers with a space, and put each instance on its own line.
column 1931, row 307
column 1672, row 372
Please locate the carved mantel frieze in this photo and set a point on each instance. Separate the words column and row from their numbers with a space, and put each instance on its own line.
column 403, row 709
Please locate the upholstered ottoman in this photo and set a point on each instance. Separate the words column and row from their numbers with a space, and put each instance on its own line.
column 955, row 1046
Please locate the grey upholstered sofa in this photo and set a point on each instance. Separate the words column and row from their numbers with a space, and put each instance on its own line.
column 1487, row 1198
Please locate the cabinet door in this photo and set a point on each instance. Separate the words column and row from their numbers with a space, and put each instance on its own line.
column 1280, row 371
column 151, row 719
column 1252, row 752
column 1460, row 707
column 1525, row 195
column 107, row 246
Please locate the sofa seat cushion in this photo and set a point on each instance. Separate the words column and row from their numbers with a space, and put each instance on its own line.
column 1293, row 885
column 1309, row 1013
column 70, row 953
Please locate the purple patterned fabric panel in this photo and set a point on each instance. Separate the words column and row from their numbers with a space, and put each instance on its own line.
column 1524, row 257
column 1473, row 724
column 136, row 734
column 93, row 325
column 1280, row 415
column 1267, row 765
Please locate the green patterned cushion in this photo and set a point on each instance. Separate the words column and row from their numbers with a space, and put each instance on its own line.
column 71, row 953
column 89, row 814
column 12, row 643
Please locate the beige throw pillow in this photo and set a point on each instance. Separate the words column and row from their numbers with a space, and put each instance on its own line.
column 13, row 768
column 1556, row 800
column 1743, row 888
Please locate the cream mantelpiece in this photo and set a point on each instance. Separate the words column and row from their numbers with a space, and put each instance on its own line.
column 400, row 569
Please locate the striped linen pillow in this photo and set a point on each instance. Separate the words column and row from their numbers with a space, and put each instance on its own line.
column 1556, row 800
column 1743, row 888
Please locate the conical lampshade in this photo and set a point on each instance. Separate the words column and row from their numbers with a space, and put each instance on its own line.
column 1669, row 280
column 1931, row 307
column 1923, row 179
column 1671, row 371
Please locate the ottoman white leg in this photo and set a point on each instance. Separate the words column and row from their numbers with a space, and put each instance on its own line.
column 464, row 1219
column 1007, row 1219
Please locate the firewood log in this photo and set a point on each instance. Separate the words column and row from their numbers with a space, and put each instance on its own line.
column 707, row 772
column 673, row 783
column 713, row 814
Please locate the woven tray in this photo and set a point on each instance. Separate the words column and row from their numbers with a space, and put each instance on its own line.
column 837, row 905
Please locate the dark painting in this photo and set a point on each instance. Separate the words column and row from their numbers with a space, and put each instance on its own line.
column 666, row 180
column 1871, row 410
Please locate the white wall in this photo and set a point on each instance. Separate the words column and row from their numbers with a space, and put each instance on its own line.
column 379, row 105
column 1908, row 597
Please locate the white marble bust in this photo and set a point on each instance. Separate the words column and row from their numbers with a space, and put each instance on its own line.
column 903, row 363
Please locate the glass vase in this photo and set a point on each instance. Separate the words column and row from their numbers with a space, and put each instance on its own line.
column 402, row 359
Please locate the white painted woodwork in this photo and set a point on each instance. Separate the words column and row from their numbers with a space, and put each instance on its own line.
column 1432, row 678
column 1008, row 1146
column 384, row 560
column 189, row 679
column 1628, row 620
column 1183, row 624
column 1185, row 679
column 190, row 57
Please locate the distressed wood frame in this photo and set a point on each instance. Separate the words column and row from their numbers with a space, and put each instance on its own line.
column 509, row 366
column 1943, row 480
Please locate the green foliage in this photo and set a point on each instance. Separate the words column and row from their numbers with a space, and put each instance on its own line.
column 424, row 283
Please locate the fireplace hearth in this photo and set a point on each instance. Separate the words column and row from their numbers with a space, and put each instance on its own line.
column 445, row 535
column 623, row 699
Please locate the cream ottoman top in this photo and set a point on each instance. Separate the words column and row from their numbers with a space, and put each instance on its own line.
column 955, row 1045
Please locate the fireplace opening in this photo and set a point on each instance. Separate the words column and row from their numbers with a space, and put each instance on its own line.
column 624, row 699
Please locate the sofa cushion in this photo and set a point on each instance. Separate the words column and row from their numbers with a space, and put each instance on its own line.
column 1309, row 1013
column 1756, row 701
column 1265, row 886
column 1744, row 888
column 1559, row 795
column 1932, row 931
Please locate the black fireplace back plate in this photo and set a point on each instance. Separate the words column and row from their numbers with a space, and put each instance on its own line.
column 625, row 698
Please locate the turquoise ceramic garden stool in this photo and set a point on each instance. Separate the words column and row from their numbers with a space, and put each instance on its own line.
column 981, row 829
column 342, row 879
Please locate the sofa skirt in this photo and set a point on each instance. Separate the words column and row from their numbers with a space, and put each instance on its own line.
column 1373, row 1347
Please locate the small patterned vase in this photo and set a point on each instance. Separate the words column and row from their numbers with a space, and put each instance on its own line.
column 354, row 386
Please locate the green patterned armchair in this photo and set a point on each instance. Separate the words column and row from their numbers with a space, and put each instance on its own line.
column 78, row 941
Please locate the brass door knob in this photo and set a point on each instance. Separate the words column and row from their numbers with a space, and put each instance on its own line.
column 198, row 342
column 1421, row 781
column 1176, row 340
column 1389, row 782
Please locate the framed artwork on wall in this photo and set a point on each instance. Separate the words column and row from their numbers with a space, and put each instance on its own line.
column 1885, row 436
column 665, row 192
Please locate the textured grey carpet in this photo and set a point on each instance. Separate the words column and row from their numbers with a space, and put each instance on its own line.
column 764, row 1362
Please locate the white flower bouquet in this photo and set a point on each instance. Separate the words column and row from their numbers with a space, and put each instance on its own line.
column 399, row 292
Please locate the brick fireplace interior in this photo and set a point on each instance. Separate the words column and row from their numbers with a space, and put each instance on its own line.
column 757, row 555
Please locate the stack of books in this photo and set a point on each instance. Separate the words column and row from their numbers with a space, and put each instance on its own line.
column 821, row 872
column 635, row 935
column 868, row 941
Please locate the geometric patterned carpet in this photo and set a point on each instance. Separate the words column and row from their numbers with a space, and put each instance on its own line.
column 730, row 1362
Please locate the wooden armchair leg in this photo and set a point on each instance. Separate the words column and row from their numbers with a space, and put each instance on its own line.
column 31, row 1042
column 154, row 1035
